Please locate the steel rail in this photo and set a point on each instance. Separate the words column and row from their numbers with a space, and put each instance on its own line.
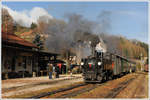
column 114, row 92
column 56, row 91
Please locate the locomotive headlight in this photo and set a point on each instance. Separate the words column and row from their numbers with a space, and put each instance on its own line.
column 82, row 63
column 99, row 63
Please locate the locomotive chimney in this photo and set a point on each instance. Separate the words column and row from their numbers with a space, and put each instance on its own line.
column 92, row 49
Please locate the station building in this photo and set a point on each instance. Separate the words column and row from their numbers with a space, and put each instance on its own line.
column 21, row 58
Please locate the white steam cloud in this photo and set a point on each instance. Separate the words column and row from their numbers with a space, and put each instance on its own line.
column 26, row 17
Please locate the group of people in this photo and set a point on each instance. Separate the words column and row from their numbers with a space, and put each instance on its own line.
column 53, row 70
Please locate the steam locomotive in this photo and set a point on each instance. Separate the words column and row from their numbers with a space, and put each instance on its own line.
column 104, row 66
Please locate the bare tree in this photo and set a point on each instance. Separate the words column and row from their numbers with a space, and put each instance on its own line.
column 7, row 22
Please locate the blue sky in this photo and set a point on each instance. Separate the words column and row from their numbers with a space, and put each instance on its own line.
column 129, row 19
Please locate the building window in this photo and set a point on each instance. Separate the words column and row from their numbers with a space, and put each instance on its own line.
column 24, row 62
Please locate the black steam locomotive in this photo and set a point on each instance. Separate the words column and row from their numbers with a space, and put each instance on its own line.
column 104, row 66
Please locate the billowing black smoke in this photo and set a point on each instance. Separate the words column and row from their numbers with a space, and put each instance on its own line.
column 75, row 35
column 78, row 35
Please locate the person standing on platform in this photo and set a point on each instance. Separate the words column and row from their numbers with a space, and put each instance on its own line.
column 54, row 71
column 50, row 71
column 57, row 71
column 60, row 68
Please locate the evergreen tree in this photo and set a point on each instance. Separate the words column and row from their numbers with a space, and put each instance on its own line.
column 33, row 25
column 38, row 41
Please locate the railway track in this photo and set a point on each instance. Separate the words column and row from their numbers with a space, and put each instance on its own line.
column 73, row 91
column 57, row 91
column 114, row 92
column 88, row 87
column 111, row 94
column 36, row 84
column 139, row 83
column 144, row 73
column 70, row 94
column 77, row 92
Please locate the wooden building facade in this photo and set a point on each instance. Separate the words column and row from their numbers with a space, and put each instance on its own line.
column 21, row 58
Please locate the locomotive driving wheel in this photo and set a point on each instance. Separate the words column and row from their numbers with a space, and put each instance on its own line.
column 99, row 78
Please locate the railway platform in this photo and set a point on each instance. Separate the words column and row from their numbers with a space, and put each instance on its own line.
column 11, row 83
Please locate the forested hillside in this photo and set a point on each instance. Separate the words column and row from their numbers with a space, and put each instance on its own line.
column 37, row 34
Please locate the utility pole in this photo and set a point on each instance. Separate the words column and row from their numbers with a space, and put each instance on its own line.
column 67, row 61
column 141, row 62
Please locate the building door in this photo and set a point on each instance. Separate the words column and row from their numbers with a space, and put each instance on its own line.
column 13, row 64
column 33, row 64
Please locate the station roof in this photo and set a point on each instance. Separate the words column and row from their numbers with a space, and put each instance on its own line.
column 40, row 53
column 14, row 39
